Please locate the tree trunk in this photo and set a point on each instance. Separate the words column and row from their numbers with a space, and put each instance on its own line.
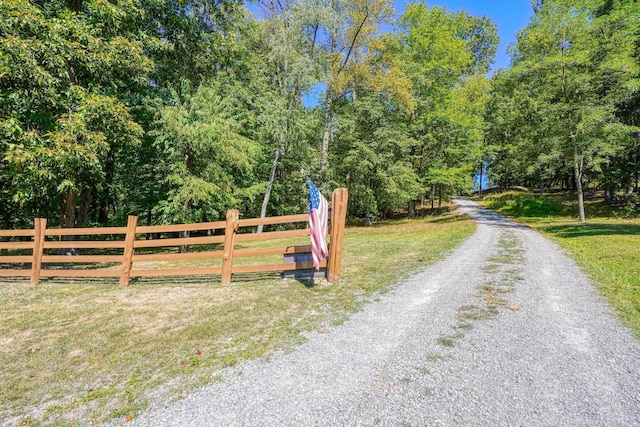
column 272, row 176
column 326, row 129
column 367, row 216
column 577, row 169
column 630, row 188
column 83, row 210
column 149, row 236
column 609, row 194
column 68, row 211
column 412, row 208
column 95, row 210
column 183, row 248
column 74, row 5
column 110, row 166
column 67, row 220
column 432, row 197
column 635, row 175
column 5, row 226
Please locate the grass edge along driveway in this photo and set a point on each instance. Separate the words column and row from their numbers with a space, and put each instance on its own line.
column 606, row 247
column 80, row 351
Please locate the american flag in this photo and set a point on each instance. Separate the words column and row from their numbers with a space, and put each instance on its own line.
column 318, row 218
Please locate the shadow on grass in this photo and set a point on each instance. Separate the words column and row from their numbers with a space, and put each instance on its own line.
column 191, row 280
column 258, row 278
column 585, row 230
column 449, row 219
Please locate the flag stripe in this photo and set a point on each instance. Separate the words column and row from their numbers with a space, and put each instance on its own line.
column 318, row 218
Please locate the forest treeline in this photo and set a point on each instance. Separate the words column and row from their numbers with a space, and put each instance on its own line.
column 177, row 110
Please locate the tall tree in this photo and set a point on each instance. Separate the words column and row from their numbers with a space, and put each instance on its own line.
column 580, row 67
column 372, row 151
column 343, row 35
column 446, row 55
column 68, row 68
column 79, row 84
column 517, row 149
column 287, row 69
column 193, row 40
column 205, row 156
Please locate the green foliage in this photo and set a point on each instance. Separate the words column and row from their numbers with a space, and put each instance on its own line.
column 285, row 68
column 62, row 97
column 444, row 55
column 371, row 152
column 194, row 39
column 205, row 156
column 556, row 112
column 76, row 83
column 526, row 206
column 180, row 109
column 628, row 210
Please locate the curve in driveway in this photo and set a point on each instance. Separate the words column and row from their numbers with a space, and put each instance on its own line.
column 504, row 331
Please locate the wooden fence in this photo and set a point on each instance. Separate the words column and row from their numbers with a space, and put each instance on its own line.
column 127, row 239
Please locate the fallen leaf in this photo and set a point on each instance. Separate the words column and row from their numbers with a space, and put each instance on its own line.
column 129, row 418
column 514, row 308
column 322, row 330
column 198, row 352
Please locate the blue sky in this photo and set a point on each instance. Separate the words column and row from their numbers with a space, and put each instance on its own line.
column 509, row 15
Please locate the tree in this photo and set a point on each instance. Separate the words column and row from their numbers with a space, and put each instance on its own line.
column 371, row 156
column 79, row 84
column 580, row 67
column 445, row 56
column 516, row 147
column 64, row 80
column 284, row 51
column 205, row 156
column 193, row 40
column 342, row 38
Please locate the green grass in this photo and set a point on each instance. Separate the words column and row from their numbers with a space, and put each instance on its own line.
column 86, row 351
column 607, row 247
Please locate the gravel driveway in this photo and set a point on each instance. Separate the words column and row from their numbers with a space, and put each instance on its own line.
column 506, row 331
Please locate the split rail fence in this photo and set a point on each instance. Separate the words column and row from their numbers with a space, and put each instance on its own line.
column 128, row 239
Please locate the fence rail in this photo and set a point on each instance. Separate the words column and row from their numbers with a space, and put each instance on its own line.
column 126, row 240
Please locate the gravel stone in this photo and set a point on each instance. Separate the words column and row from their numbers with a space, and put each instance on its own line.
column 506, row 331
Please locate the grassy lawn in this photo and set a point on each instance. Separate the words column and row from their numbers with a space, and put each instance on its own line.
column 607, row 246
column 88, row 350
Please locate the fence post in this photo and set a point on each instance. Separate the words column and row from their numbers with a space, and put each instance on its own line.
column 233, row 218
column 340, row 198
column 39, row 226
column 127, row 256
